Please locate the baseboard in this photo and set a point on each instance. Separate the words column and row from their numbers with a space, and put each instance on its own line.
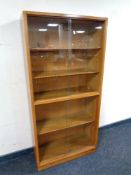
column 116, row 124
column 17, row 154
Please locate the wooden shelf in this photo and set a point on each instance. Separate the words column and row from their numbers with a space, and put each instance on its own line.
column 64, row 149
column 62, row 73
column 47, row 126
column 62, row 49
column 51, row 97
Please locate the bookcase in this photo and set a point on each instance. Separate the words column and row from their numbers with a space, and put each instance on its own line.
column 65, row 62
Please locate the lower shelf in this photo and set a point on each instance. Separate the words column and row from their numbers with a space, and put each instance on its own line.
column 62, row 150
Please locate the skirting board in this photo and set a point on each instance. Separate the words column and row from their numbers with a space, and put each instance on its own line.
column 17, row 154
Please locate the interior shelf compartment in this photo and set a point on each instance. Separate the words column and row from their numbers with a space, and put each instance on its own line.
column 58, row 116
column 70, row 115
column 65, row 88
column 79, row 146
column 49, row 64
column 64, row 144
column 63, row 123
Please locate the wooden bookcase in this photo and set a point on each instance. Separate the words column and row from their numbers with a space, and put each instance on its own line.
column 65, row 59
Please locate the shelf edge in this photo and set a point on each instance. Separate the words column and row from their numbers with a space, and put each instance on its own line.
column 64, row 75
column 66, row 98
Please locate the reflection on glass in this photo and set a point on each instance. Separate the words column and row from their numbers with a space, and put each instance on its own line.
column 86, row 34
column 65, row 54
column 48, row 33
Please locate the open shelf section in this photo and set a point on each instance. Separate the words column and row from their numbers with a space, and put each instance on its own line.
column 57, row 151
column 45, row 98
column 47, row 126
column 62, row 73
column 61, row 49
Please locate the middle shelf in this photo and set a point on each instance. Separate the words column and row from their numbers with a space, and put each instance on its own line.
column 61, row 73
column 44, row 98
column 73, row 113
column 47, row 126
column 55, row 89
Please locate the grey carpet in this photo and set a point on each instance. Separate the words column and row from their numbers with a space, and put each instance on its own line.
column 113, row 157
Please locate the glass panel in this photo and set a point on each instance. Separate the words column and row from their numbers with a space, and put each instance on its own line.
column 86, row 34
column 83, row 59
column 48, row 33
column 51, row 55
column 80, row 138
column 53, row 145
column 83, row 114
column 65, row 61
column 49, row 52
column 48, row 38
column 84, row 51
column 86, row 45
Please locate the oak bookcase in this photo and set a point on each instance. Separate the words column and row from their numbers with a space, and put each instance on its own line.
column 65, row 61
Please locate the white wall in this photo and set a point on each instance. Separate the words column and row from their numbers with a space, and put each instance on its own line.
column 15, row 127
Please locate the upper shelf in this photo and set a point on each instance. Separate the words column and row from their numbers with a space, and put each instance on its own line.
column 38, row 75
column 61, row 49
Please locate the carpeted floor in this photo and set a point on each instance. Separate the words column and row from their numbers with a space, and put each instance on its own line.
column 113, row 157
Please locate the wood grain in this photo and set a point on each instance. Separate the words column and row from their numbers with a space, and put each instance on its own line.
column 63, row 97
